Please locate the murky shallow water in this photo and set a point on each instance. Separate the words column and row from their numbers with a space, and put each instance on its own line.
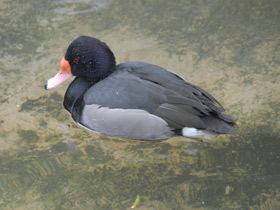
column 230, row 48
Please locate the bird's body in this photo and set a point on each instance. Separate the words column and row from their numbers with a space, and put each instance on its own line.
column 135, row 100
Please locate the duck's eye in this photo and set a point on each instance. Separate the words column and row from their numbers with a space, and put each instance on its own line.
column 76, row 60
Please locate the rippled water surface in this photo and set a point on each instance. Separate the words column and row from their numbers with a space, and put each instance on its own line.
column 229, row 48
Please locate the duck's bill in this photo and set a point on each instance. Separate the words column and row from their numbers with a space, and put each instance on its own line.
column 63, row 75
column 58, row 79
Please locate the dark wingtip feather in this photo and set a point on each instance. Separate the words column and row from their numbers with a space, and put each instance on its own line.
column 219, row 124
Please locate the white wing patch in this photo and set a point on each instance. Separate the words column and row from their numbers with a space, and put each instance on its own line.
column 195, row 133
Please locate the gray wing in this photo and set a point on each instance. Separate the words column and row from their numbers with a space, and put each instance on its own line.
column 142, row 86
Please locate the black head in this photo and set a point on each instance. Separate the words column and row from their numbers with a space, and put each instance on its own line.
column 90, row 58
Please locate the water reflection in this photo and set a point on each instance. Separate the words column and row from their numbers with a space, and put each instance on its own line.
column 71, row 7
column 175, row 174
column 228, row 48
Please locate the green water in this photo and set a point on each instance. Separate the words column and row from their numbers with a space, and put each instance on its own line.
column 229, row 48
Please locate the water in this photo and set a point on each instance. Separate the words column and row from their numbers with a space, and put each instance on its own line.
column 229, row 48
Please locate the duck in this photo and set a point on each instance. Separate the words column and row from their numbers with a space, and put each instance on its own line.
column 134, row 100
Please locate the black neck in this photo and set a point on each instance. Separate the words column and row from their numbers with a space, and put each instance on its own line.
column 75, row 90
